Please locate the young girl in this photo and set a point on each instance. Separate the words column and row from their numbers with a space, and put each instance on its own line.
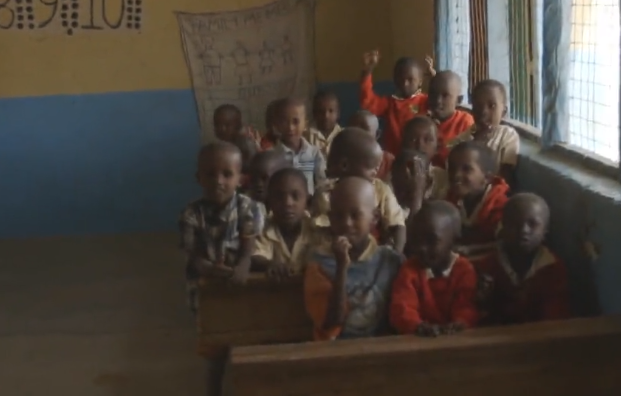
column 283, row 245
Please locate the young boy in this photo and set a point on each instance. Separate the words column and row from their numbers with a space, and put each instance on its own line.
column 489, row 106
column 290, row 124
column 397, row 109
column 227, row 123
column 479, row 195
column 284, row 243
column 270, row 138
column 444, row 91
column 368, row 122
column 218, row 231
column 355, row 153
column 529, row 281
column 262, row 167
column 421, row 134
column 347, row 283
column 326, row 111
column 434, row 292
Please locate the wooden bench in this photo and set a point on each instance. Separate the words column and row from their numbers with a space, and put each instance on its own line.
column 260, row 312
column 571, row 358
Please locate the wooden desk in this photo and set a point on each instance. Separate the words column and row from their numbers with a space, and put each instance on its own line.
column 580, row 357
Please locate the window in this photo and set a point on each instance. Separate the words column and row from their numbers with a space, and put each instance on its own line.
column 461, row 43
column 593, row 88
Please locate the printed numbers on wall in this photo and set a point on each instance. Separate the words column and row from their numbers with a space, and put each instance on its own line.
column 71, row 17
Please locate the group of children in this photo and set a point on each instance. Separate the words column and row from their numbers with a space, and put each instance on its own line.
column 418, row 235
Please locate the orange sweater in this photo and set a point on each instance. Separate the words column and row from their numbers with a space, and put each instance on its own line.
column 383, row 172
column 543, row 294
column 448, row 130
column 483, row 222
column 418, row 296
column 396, row 112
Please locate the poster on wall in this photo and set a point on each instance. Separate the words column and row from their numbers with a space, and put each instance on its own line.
column 249, row 58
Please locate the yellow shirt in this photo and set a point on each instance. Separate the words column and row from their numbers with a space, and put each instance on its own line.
column 316, row 138
column 505, row 142
column 389, row 210
column 272, row 246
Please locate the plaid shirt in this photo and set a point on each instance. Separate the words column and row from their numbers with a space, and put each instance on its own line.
column 309, row 160
column 214, row 234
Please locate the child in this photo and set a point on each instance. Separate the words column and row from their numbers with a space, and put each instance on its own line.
column 248, row 148
column 489, row 106
column 262, row 167
column 227, row 123
column 270, row 138
column 288, row 233
column 415, row 180
column 479, row 195
column 529, row 282
column 421, row 134
column 218, row 231
column 444, row 93
column 368, row 122
column 397, row 109
column 434, row 291
column 325, row 126
column 355, row 153
column 347, row 285
column 290, row 124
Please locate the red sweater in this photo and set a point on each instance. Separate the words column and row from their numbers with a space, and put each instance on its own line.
column 543, row 294
column 418, row 297
column 396, row 112
column 459, row 122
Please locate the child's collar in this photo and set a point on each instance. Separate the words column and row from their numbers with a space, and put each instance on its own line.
column 410, row 97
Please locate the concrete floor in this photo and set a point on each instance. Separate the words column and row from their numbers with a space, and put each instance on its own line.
column 96, row 316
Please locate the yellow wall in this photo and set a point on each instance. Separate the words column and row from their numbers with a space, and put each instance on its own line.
column 34, row 63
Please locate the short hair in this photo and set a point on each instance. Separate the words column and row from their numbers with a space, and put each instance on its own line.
column 210, row 149
column 286, row 102
column 443, row 208
column 526, row 198
column 269, row 155
column 321, row 95
column 405, row 62
column 487, row 156
column 227, row 107
column 490, row 84
column 283, row 173
column 347, row 139
column 444, row 74
column 421, row 120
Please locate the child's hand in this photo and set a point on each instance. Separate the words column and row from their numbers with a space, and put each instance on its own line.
column 427, row 330
column 370, row 59
column 453, row 328
column 340, row 248
column 418, row 175
column 240, row 274
column 429, row 62
column 279, row 272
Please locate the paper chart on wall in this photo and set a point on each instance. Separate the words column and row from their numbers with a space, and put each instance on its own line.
column 249, row 58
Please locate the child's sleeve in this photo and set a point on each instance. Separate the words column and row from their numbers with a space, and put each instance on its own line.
column 188, row 223
column 404, row 305
column 390, row 210
column 317, row 291
column 263, row 248
column 555, row 294
column 369, row 100
column 463, row 309
column 320, row 168
column 510, row 148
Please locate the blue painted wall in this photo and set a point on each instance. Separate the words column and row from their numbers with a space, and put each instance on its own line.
column 104, row 163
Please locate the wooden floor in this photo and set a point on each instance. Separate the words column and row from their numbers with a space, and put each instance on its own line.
column 96, row 316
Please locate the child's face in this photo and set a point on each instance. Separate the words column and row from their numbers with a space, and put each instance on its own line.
column 432, row 240
column 408, row 80
column 287, row 200
column 421, row 138
column 260, row 174
column 353, row 218
column 524, row 228
column 227, row 124
column 326, row 114
column 443, row 97
column 291, row 124
column 465, row 175
column 365, row 123
column 219, row 175
column 488, row 108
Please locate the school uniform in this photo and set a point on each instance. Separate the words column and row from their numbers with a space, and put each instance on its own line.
column 317, row 138
column 368, row 283
column 419, row 295
column 505, row 142
column 309, row 160
column 448, row 130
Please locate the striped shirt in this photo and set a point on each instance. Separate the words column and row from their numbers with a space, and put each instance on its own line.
column 309, row 160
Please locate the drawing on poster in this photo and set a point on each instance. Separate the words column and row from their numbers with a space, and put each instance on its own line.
column 249, row 57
